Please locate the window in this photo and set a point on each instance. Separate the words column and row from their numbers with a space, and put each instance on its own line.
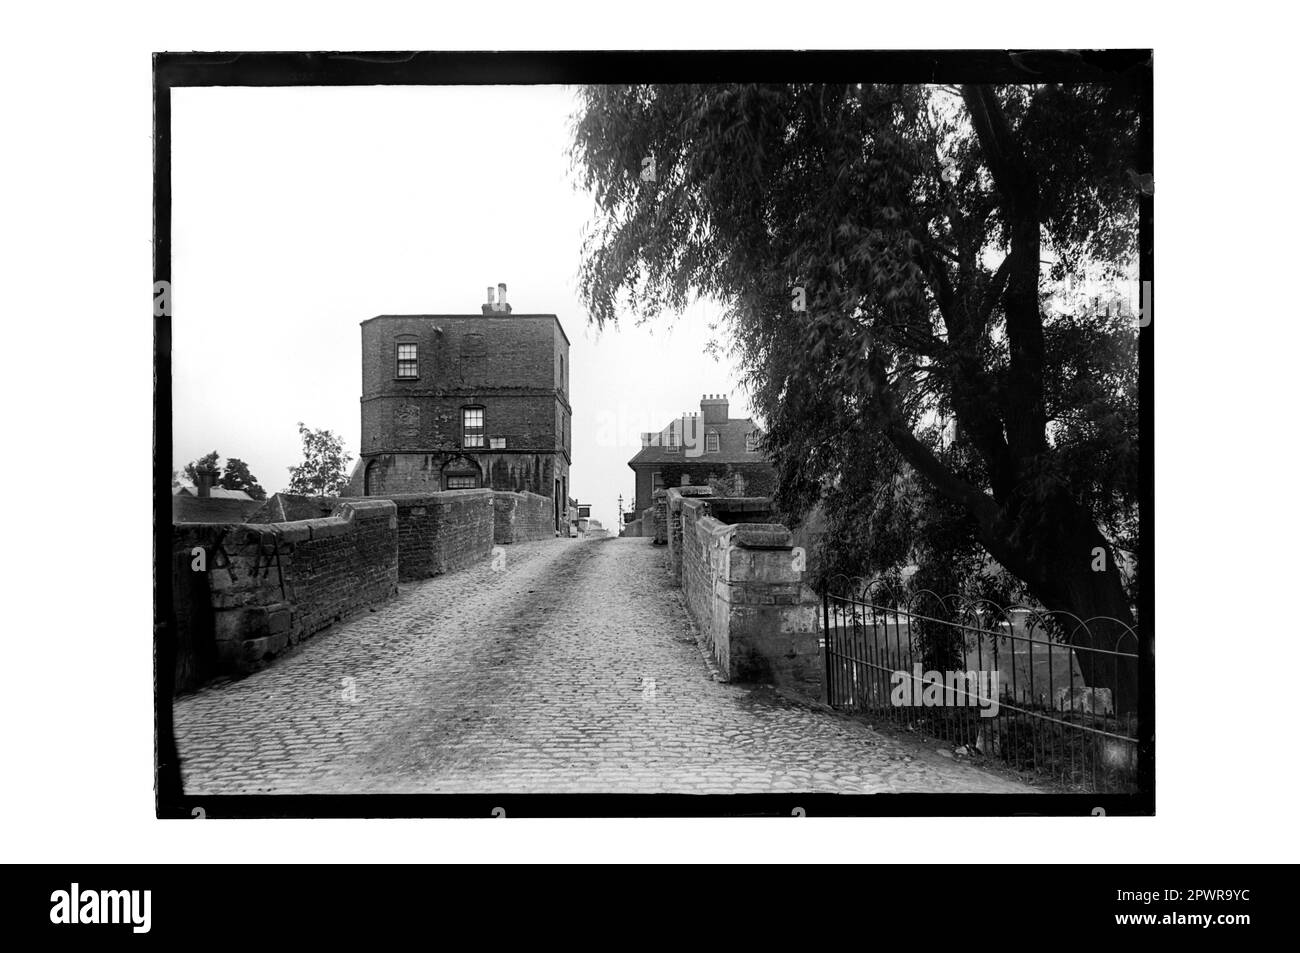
column 657, row 481
column 751, row 441
column 408, row 362
column 711, row 442
column 497, row 443
column 472, row 427
column 561, row 372
column 462, row 483
column 672, row 441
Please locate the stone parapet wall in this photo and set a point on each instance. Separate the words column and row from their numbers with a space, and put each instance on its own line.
column 744, row 586
column 444, row 531
column 520, row 517
column 246, row 592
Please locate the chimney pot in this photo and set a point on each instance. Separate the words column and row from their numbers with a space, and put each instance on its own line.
column 204, row 478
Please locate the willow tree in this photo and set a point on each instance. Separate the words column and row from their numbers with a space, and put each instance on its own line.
column 889, row 259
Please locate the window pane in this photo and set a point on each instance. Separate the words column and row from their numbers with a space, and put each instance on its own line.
column 472, row 426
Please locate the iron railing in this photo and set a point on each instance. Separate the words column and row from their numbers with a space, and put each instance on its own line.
column 1037, row 690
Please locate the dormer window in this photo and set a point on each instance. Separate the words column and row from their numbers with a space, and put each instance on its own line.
column 711, row 442
column 751, row 441
column 408, row 361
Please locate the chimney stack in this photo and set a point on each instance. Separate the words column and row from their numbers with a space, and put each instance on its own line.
column 715, row 409
column 204, row 479
column 496, row 301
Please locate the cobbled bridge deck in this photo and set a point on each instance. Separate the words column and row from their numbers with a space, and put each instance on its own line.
column 572, row 667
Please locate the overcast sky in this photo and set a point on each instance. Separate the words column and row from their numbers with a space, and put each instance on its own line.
column 300, row 212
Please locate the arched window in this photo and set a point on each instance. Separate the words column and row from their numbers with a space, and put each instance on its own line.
column 461, row 473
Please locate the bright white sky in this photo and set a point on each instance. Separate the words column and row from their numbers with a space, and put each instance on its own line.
column 300, row 212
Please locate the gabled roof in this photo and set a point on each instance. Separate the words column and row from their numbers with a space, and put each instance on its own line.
column 731, row 444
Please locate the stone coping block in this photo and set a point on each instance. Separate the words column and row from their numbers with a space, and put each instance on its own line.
column 366, row 509
column 443, row 495
column 762, row 536
column 299, row 531
column 518, row 494
column 678, row 495
column 742, row 504
column 709, row 529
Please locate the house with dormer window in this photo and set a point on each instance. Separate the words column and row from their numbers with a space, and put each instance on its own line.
column 699, row 447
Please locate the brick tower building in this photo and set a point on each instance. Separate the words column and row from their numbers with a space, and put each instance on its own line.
column 457, row 401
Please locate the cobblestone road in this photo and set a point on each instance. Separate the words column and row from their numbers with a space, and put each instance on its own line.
column 572, row 668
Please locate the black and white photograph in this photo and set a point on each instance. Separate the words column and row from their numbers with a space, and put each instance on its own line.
column 671, row 438
column 675, row 434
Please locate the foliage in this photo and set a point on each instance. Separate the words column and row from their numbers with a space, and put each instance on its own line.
column 238, row 477
column 947, row 418
column 209, row 461
column 323, row 471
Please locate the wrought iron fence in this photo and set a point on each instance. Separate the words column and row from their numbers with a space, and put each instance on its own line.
column 1037, row 690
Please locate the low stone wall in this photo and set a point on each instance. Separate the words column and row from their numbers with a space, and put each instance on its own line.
column 245, row 592
column 521, row 517
column 441, row 532
column 673, row 530
column 742, row 588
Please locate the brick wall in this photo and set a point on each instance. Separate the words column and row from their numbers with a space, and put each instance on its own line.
column 504, row 351
column 265, row 587
column 517, row 472
column 522, row 516
column 660, row 509
column 507, row 364
column 673, row 530
column 759, row 619
column 441, row 532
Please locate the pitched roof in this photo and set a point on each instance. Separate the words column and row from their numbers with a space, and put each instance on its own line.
column 691, row 438
column 216, row 493
column 192, row 509
column 289, row 507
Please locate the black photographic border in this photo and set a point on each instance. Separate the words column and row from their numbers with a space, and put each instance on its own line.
column 174, row 70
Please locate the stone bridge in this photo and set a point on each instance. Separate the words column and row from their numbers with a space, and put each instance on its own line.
column 558, row 665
